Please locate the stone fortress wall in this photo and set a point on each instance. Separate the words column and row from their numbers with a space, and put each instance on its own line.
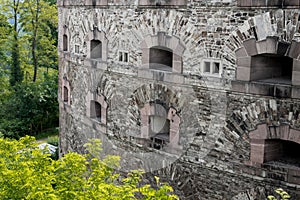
column 203, row 93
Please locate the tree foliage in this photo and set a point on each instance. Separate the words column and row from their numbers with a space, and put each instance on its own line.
column 30, row 108
column 27, row 172
column 28, row 66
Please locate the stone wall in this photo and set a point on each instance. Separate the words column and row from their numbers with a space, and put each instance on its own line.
column 215, row 113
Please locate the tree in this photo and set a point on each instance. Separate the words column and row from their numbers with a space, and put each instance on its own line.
column 37, row 18
column 11, row 10
column 27, row 172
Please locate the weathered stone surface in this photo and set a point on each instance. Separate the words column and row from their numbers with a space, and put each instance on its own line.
column 215, row 121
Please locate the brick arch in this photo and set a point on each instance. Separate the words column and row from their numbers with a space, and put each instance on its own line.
column 271, row 112
column 156, row 92
column 161, row 39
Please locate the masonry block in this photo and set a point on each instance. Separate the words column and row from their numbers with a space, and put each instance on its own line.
column 243, row 73
column 250, row 46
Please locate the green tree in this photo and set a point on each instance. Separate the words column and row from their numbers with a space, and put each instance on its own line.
column 31, row 108
column 27, row 172
column 11, row 10
column 37, row 18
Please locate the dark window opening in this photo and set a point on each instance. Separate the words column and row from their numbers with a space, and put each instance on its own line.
column 216, row 67
column 160, row 131
column 66, row 94
column 95, row 110
column 123, row 56
column 96, row 49
column 282, row 153
column 65, row 42
column 271, row 68
column 161, row 58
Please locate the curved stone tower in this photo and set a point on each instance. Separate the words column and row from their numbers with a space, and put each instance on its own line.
column 203, row 93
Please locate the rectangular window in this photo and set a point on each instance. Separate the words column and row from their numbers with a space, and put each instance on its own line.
column 206, row 67
column 216, row 67
column 211, row 67
column 123, row 56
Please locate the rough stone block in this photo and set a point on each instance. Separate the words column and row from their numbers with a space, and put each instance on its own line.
column 296, row 78
column 296, row 92
column 261, row 46
column 250, row 46
column 294, row 50
column 260, row 132
column 271, row 44
column 258, row 3
column 239, row 86
column 296, row 65
column 243, row 73
column 244, row 62
column 282, row 48
column 241, row 52
column 294, row 136
column 291, row 3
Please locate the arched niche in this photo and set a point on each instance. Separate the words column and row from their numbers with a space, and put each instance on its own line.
column 162, row 52
column 96, row 45
column 96, row 107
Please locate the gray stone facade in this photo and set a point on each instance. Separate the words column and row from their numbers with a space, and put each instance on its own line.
column 220, row 77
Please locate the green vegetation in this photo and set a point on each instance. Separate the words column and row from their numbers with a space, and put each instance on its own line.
column 26, row 172
column 283, row 195
column 28, row 67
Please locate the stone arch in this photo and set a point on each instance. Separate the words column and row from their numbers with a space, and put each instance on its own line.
column 96, row 107
column 93, row 40
column 267, row 124
column 267, row 142
column 156, row 92
column 264, row 111
column 251, row 49
column 163, row 41
column 169, row 134
column 257, row 42
column 145, row 102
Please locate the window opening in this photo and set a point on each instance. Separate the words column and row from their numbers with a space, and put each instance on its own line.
column 216, row 68
column 95, row 110
column 271, row 68
column 65, row 42
column 96, row 49
column 282, row 152
column 161, row 58
column 207, row 67
column 211, row 68
column 160, row 131
column 123, row 56
column 66, row 94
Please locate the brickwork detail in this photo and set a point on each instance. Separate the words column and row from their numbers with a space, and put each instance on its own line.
column 213, row 120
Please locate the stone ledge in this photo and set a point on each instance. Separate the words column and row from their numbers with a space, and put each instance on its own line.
column 267, row 89
column 268, row 3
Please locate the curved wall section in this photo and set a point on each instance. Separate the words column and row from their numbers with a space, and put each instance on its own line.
column 179, row 89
